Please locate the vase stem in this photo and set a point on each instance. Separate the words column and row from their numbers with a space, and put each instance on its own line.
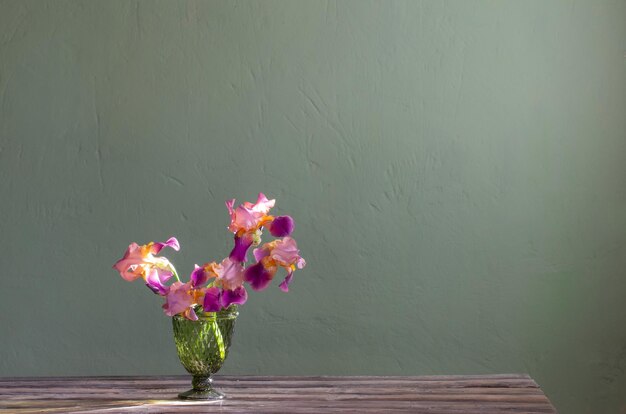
column 202, row 389
column 201, row 382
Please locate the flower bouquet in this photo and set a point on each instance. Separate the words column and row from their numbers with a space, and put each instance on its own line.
column 204, row 309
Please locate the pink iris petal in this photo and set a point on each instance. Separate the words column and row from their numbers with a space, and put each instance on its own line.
column 127, row 265
column 258, row 276
column 244, row 219
column 199, row 276
column 237, row 296
column 286, row 253
column 212, row 300
column 284, row 285
column 262, row 205
column 248, row 216
column 136, row 271
column 155, row 280
column 171, row 242
column 261, row 252
column 282, row 226
column 178, row 298
column 190, row 314
column 232, row 274
column 242, row 244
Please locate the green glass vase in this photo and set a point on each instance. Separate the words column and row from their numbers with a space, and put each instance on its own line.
column 202, row 347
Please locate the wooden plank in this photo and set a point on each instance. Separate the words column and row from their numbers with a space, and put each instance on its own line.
column 506, row 393
column 257, row 378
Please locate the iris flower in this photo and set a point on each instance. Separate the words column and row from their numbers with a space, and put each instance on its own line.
column 246, row 222
column 181, row 298
column 227, row 287
column 228, row 274
column 279, row 253
column 141, row 262
column 249, row 217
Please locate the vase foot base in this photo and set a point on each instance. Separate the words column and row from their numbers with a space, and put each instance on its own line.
column 209, row 394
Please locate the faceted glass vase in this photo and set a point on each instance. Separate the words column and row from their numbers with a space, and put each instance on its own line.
column 202, row 347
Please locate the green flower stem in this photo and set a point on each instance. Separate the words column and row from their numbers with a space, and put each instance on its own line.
column 219, row 339
column 175, row 274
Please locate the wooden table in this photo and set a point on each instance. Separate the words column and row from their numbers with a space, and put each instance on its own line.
column 435, row 394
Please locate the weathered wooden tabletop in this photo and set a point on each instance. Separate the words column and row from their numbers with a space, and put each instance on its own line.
column 434, row 394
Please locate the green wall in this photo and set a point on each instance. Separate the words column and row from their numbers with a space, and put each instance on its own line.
column 457, row 171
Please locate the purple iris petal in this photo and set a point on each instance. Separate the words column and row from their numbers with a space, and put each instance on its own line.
column 282, row 226
column 284, row 285
column 155, row 280
column 199, row 276
column 171, row 242
column 258, row 276
column 212, row 300
column 238, row 296
column 239, row 252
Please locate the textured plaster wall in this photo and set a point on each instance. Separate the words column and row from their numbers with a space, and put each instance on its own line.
column 457, row 171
